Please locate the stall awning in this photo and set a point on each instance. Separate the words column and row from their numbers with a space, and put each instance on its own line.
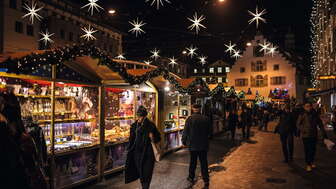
column 323, row 92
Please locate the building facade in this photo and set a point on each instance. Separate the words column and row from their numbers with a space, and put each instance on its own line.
column 324, row 48
column 265, row 75
column 19, row 34
column 213, row 73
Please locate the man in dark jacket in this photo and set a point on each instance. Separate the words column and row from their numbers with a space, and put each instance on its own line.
column 196, row 137
column 246, row 122
column 140, row 157
column 308, row 124
column 233, row 123
column 287, row 129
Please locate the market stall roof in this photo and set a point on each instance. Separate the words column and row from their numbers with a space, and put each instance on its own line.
column 89, row 67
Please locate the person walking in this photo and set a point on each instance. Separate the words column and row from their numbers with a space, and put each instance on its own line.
column 308, row 124
column 246, row 121
column 140, row 157
column 196, row 137
column 265, row 120
column 233, row 123
column 287, row 129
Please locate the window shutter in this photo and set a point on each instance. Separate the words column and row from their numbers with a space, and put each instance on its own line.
column 253, row 81
column 265, row 80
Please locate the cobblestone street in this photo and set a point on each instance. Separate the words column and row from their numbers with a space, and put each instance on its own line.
column 256, row 164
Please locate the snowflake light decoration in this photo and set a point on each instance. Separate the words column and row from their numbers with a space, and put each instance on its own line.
column 236, row 54
column 158, row 3
column 172, row 61
column 257, row 16
column 137, row 27
column 264, row 46
column 196, row 22
column 32, row 12
column 92, row 6
column 46, row 37
column 202, row 60
column 192, row 51
column 230, row 48
column 155, row 54
column 120, row 57
column 89, row 33
column 148, row 62
column 271, row 50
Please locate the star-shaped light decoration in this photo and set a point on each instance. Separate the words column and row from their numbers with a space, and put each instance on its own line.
column 120, row 57
column 271, row 50
column 148, row 62
column 264, row 46
column 46, row 37
column 192, row 51
column 89, row 33
column 92, row 5
column 155, row 54
column 137, row 27
column 173, row 61
column 202, row 60
column 236, row 54
column 230, row 48
column 257, row 16
column 196, row 22
column 158, row 3
column 32, row 12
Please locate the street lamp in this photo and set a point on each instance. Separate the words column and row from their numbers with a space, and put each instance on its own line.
column 249, row 44
column 112, row 11
column 221, row 1
column 184, row 52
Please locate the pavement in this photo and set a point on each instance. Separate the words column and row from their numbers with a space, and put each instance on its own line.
column 172, row 171
column 254, row 164
column 258, row 165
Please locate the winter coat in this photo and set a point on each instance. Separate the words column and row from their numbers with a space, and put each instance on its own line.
column 131, row 171
column 246, row 118
column 196, row 132
column 286, row 124
column 12, row 172
column 307, row 123
column 233, row 121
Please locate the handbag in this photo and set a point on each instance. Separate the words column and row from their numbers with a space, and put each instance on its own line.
column 156, row 150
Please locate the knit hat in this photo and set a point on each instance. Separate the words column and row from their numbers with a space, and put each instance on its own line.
column 142, row 111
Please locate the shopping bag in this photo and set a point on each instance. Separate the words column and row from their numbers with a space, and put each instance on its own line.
column 330, row 144
column 156, row 150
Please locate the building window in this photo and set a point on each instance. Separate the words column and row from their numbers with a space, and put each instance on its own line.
column 203, row 70
column 219, row 69
column 227, row 69
column 241, row 82
column 211, row 70
column 278, row 80
column 30, row 30
column 12, row 4
column 242, row 70
column 70, row 36
column 195, row 71
column 204, row 79
column 257, row 51
column 259, row 66
column 62, row 34
column 220, row 80
column 18, row 27
column 276, row 67
column 259, row 81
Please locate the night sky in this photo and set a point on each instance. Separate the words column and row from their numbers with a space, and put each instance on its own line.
column 166, row 28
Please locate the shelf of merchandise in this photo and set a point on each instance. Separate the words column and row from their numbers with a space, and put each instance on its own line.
column 76, row 150
column 120, row 118
column 107, row 143
column 42, row 96
column 66, row 120
column 172, row 131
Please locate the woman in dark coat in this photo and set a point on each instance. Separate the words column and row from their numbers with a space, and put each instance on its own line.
column 140, row 157
column 233, row 122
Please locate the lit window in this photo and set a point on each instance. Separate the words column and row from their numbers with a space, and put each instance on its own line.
column 241, row 82
column 226, row 80
column 220, row 80
column 203, row 70
column 227, row 69
column 204, row 79
column 195, row 70
column 211, row 70
column 219, row 69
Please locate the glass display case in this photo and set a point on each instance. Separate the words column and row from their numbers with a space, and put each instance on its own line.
column 184, row 109
column 171, row 113
column 148, row 100
column 76, row 112
column 119, row 114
